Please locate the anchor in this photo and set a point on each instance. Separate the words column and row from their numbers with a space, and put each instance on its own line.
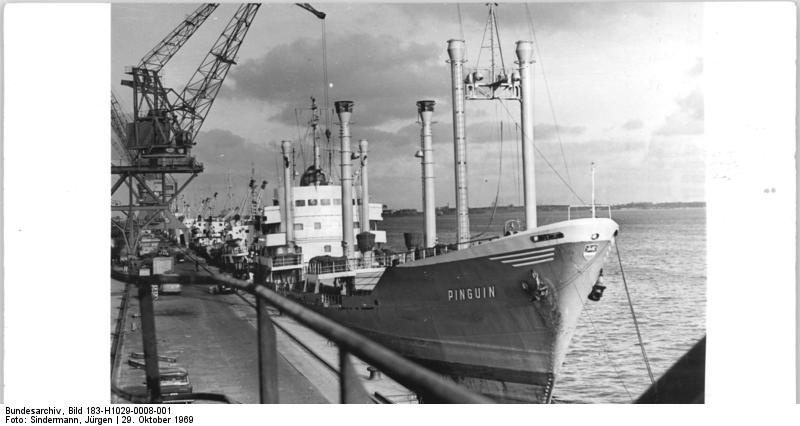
column 537, row 290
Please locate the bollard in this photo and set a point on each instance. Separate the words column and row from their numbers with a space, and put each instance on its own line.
column 374, row 373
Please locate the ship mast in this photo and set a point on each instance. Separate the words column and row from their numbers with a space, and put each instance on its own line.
column 344, row 110
column 525, row 59
column 314, row 135
column 455, row 49
column 501, row 84
column 425, row 111
column 288, row 206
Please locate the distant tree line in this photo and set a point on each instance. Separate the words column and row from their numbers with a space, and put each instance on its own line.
column 440, row 211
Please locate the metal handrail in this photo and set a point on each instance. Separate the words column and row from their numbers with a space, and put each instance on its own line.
column 378, row 260
column 287, row 260
column 587, row 206
column 430, row 386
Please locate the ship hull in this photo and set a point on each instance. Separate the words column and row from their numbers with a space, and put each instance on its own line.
column 496, row 317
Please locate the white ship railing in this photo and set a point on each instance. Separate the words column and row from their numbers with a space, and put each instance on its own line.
column 597, row 207
column 287, row 260
column 373, row 261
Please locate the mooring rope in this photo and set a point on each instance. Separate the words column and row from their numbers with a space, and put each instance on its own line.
column 635, row 322
column 606, row 351
column 602, row 341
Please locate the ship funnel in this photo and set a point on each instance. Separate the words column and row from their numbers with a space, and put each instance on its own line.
column 455, row 49
column 288, row 203
column 344, row 109
column 525, row 60
column 425, row 110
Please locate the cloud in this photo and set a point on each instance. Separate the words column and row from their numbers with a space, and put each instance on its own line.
column 549, row 131
column 634, row 124
column 688, row 119
column 222, row 151
column 628, row 169
column 365, row 69
column 547, row 17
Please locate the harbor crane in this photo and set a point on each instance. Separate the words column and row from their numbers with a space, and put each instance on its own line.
column 165, row 123
column 119, row 124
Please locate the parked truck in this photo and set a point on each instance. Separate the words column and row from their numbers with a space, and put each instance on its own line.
column 163, row 265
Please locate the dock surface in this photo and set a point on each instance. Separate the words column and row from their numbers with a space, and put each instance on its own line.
column 214, row 337
column 217, row 347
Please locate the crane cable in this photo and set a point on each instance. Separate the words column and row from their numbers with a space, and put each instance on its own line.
column 326, row 106
column 635, row 322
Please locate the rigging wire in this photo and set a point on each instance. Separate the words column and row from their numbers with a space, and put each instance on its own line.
column 460, row 21
column 480, row 50
column 300, row 138
column 635, row 322
column 547, row 89
column 542, row 156
column 499, row 43
column 499, row 180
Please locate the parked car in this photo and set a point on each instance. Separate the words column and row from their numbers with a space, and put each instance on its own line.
column 220, row 289
column 170, row 288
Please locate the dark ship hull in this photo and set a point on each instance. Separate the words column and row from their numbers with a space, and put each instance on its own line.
column 497, row 317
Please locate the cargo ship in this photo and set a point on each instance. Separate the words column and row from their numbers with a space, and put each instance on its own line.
column 495, row 315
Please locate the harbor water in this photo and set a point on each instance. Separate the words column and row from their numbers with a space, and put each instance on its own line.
column 664, row 258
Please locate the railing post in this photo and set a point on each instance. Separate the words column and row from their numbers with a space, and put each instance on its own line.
column 149, row 342
column 267, row 356
column 351, row 390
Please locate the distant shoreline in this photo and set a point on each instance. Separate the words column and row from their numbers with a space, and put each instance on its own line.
column 443, row 211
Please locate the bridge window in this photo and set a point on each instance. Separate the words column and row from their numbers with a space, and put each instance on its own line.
column 327, row 248
column 300, row 203
column 312, row 202
column 298, row 226
column 337, row 201
column 325, row 201
column 356, row 225
column 317, row 225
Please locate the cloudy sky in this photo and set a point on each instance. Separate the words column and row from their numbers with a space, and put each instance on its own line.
column 624, row 83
